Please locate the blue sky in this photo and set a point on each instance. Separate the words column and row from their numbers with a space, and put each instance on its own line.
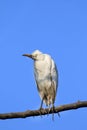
column 55, row 27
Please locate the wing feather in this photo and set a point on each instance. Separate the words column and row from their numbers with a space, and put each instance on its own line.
column 54, row 75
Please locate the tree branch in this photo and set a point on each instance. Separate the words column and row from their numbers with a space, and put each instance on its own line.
column 30, row 113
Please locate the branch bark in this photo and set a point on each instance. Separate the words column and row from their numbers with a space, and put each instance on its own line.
column 32, row 113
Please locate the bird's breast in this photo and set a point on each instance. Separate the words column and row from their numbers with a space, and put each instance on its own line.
column 42, row 69
column 41, row 75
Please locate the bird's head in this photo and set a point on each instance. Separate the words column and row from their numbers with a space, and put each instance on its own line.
column 36, row 55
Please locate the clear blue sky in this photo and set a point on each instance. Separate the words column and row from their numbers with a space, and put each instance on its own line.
column 55, row 27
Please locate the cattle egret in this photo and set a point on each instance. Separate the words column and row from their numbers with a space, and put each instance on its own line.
column 46, row 77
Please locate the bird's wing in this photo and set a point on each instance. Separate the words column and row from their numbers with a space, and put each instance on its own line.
column 54, row 75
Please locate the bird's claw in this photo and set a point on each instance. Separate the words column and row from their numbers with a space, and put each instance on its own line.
column 40, row 110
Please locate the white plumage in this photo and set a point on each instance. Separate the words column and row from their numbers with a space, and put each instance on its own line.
column 46, row 76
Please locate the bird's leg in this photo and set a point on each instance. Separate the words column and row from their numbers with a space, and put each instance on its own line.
column 41, row 104
column 41, row 107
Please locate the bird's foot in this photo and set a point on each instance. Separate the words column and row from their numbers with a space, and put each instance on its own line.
column 58, row 114
column 40, row 110
column 53, row 109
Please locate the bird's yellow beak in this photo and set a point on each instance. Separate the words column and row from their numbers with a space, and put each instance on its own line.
column 28, row 55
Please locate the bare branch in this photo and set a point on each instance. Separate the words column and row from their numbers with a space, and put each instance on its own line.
column 32, row 113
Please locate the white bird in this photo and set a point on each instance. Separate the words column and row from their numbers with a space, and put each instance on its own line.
column 46, row 76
